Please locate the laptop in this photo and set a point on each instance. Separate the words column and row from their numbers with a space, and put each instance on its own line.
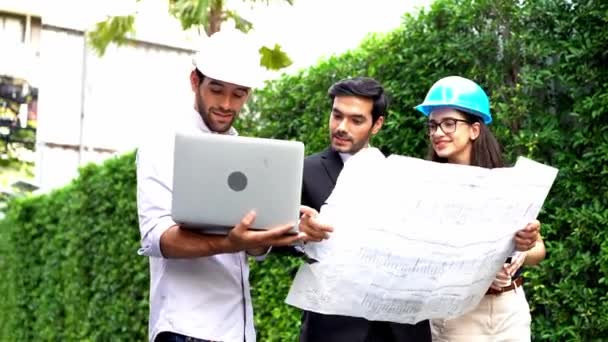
column 217, row 179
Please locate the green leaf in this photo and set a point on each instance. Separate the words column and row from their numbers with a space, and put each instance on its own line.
column 113, row 30
column 274, row 59
column 190, row 12
column 240, row 23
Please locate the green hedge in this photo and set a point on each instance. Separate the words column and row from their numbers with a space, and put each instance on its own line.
column 72, row 271
column 69, row 264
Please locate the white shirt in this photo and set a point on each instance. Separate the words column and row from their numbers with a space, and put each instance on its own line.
column 344, row 156
column 206, row 298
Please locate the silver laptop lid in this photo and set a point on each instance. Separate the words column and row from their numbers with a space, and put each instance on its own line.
column 217, row 179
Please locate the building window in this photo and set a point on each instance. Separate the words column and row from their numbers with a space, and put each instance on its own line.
column 12, row 30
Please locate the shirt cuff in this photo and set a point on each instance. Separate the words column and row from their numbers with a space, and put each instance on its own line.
column 150, row 244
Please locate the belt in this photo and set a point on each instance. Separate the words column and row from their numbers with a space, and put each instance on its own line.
column 518, row 282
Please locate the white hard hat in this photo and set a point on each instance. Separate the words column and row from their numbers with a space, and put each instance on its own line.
column 229, row 56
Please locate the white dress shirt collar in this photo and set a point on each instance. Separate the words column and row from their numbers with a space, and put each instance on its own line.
column 346, row 156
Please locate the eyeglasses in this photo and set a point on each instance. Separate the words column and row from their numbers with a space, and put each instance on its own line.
column 447, row 126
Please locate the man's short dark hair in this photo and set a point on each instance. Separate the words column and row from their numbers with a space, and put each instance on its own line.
column 200, row 75
column 363, row 87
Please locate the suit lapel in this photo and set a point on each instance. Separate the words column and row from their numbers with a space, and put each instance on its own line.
column 333, row 164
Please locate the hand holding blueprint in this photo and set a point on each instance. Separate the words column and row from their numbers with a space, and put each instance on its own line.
column 414, row 239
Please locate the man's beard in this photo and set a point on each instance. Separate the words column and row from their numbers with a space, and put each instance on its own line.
column 204, row 113
column 355, row 146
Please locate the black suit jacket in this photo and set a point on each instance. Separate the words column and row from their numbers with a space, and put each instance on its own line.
column 321, row 171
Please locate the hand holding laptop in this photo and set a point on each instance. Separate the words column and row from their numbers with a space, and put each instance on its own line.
column 310, row 230
column 181, row 242
column 243, row 238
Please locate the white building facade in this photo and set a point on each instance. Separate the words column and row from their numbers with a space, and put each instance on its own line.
column 90, row 108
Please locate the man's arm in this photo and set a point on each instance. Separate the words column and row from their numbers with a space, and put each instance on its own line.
column 177, row 242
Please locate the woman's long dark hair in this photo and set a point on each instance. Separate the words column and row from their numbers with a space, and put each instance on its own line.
column 485, row 152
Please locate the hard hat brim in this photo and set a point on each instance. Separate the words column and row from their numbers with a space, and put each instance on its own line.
column 427, row 109
column 248, row 82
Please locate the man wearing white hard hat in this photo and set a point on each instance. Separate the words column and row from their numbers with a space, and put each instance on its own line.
column 199, row 288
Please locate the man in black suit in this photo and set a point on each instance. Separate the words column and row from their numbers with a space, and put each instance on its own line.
column 359, row 108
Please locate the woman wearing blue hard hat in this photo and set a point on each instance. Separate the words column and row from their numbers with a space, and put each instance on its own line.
column 458, row 112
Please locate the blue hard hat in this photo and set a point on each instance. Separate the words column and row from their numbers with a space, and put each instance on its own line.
column 458, row 93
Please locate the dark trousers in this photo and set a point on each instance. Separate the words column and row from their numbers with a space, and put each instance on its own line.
column 395, row 332
column 167, row 336
column 333, row 328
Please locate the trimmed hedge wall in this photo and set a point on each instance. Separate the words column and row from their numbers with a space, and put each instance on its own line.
column 72, row 272
column 70, row 269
